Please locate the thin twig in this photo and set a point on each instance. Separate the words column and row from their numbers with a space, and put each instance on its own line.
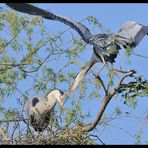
column 17, row 121
column 3, row 133
column 121, row 71
column 97, row 138
column 139, row 55
column 103, row 85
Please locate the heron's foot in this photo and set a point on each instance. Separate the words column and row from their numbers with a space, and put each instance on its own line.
column 132, row 72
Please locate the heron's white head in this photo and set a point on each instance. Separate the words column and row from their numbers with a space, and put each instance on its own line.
column 58, row 95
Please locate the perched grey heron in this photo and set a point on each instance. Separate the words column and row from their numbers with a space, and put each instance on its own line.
column 105, row 46
column 39, row 108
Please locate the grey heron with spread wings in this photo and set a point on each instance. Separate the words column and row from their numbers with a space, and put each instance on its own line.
column 40, row 108
column 105, row 46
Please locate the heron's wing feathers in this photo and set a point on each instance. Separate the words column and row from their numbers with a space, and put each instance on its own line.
column 131, row 33
column 42, row 108
column 83, row 31
column 40, row 115
column 35, row 101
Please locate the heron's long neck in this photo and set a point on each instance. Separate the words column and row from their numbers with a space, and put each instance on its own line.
column 51, row 99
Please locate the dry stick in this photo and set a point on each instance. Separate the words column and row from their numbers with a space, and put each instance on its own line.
column 97, row 138
column 17, row 123
column 13, row 120
column 89, row 127
column 3, row 133
column 11, row 64
column 103, row 85
column 121, row 71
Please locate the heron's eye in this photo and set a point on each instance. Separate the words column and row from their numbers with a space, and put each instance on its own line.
column 62, row 93
column 35, row 101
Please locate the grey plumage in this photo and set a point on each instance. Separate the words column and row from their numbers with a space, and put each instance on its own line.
column 40, row 108
column 105, row 46
column 131, row 33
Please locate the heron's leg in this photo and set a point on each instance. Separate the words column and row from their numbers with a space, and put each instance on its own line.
column 104, row 64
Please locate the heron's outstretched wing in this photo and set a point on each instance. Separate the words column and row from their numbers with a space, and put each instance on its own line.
column 131, row 33
column 83, row 31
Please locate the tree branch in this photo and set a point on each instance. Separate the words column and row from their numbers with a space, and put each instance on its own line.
column 89, row 127
column 97, row 138
column 4, row 135
column 103, row 85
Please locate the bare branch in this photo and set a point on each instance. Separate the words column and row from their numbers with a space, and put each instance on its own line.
column 130, row 73
column 89, row 127
column 120, row 70
column 97, row 138
column 4, row 135
column 103, row 85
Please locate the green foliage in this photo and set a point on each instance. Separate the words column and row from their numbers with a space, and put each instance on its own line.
column 128, row 51
column 133, row 89
column 92, row 20
column 111, row 75
column 10, row 114
column 1, row 26
column 31, row 54
column 138, row 137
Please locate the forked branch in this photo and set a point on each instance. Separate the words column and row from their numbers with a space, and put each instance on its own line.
column 107, row 98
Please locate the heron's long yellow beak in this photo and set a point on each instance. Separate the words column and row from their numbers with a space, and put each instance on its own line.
column 61, row 101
